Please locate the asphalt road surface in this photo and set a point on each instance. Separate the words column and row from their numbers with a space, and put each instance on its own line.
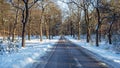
column 69, row 55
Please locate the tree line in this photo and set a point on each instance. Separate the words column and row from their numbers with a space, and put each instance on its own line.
column 44, row 18
column 28, row 18
column 98, row 17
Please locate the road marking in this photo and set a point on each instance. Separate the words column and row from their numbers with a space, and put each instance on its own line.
column 101, row 63
column 76, row 60
column 78, row 64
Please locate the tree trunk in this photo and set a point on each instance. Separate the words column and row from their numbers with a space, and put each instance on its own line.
column 47, row 30
column 23, row 35
column 109, row 31
column 97, row 44
column 41, row 31
column 29, row 25
column 15, row 24
column 88, row 35
column 71, row 29
column 87, row 38
column 109, row 37
column 109, row 34
column 3, row 32
column 41, row 24
column 87, row 23
column 3, row 23
column 13, row 35
column 25, row 15
column 99, row 35
column 29, row 31
column 79, row 30
column 98, row 26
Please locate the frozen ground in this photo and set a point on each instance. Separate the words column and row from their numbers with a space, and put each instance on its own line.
column 24, row 57
column 104, row 52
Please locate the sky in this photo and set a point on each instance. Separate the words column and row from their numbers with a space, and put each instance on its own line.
column 63, row 6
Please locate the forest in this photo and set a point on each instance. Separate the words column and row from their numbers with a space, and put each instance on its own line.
column 96, row 19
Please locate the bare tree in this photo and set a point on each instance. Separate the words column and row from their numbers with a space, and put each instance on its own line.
column 25, row 14
column 96, row 5
column 15, row 22
column 86, row 4
column 83, row 5
column 41, row 5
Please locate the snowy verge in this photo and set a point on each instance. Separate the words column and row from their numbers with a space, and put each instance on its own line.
column 43, row 61
column 26, row 56
column 101, row 53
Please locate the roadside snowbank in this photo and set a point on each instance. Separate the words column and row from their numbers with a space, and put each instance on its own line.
column 25, row 57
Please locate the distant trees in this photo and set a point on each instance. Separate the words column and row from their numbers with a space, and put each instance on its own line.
column 30, row 12
column 15, row 20
column 75, row 18
column 83, row 5
column 3, row 17
column 50, row 17
column 97, row 17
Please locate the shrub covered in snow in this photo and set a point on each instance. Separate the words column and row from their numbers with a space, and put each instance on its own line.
column 116, row 43
column 8, row 47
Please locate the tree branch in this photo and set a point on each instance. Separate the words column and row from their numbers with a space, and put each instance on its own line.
column 14, row 5
column 25, row 1
column 73, row 3
column 32, row 3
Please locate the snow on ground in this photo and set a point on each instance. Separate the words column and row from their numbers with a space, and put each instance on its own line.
column 26, row 56
column 104, row 51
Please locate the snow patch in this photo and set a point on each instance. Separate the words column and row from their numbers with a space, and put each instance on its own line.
column 25, row 57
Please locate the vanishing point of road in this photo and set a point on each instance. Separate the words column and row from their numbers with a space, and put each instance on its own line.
column 69, row 55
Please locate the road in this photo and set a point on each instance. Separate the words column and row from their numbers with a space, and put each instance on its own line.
column 69, row 55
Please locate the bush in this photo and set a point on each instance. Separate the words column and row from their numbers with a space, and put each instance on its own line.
column 116, row 43
column 9, row 47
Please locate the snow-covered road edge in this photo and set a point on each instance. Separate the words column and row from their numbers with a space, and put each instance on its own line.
column 50, row 56
column 38, row 61
column 95, row 55
column 26, row 56
column 45, row 61
column 100, row 58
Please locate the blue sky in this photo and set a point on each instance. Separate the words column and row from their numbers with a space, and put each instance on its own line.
column 64, row 8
